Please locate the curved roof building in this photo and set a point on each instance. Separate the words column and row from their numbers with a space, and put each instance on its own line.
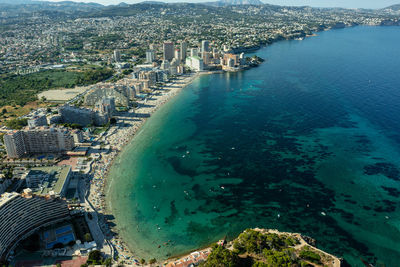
column 23, row 214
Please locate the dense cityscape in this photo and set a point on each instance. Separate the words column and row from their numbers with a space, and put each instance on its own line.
column 78, row 81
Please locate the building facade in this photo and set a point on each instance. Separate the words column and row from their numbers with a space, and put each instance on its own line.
column 150, row 56
column 74, row 115
column 168, row 51
column 195, row 63
column 39, row 120
column 183, row 51
column 43, row 140
column 117, row 55
column 205, row 46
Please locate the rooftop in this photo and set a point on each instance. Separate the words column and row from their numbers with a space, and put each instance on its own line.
column 53, row 179
column 4, row 198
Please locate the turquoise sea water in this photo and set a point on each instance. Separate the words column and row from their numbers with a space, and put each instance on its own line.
column 314, row 130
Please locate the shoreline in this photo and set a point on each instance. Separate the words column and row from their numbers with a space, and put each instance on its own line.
column 202, row 253
column 116, row 241
column 118, row 137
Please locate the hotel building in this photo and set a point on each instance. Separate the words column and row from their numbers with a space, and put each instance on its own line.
column 23, row 214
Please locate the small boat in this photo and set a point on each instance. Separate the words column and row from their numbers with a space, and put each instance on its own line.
column 323, row 213
column 279, row 215
column 223, row 188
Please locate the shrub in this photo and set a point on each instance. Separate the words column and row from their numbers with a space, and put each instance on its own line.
column 309, row 255
column 221, row 256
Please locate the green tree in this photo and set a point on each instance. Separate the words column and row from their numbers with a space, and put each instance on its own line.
column 17, row 123
column 87, row 237
column 277, row 258
column 309, row 255
column 108, row 262
column 94, row 257
column 221, row 257
column 260, row 264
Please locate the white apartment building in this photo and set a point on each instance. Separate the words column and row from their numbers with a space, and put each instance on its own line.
column 195, row 63
column 40, row 140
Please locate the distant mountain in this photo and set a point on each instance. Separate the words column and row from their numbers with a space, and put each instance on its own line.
column 10, row 8
column 49, row 3
column 235, row 2
column 393, row 7
column 152, row 2
column 242, row 2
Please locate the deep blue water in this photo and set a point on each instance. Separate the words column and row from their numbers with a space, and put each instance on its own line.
column 314, row 130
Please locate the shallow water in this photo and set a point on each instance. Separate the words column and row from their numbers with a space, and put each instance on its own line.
column 313, row 135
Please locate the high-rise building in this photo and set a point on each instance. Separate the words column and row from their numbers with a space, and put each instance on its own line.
column 106, row 105
column 168, row 51
column 215, row 53
column 178, row 56
column 195, row 63
column 150, row 56
column 41, row 140
column 75, row 115
column 205, row 46
column 194, row 52
column 183, row 50
column 23, row 214
column 117, row 55
column 234, row 57
column 206, row 57
column 165, row 65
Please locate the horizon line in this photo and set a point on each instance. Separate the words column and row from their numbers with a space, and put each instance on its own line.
column 190, row 2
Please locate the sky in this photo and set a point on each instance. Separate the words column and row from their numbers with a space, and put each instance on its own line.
column 313, row 3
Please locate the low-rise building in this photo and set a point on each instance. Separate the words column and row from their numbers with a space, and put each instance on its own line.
column 43, row 180
column 39, row 120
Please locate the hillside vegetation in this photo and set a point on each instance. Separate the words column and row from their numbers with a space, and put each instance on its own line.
column 21, row 89
column 265, row 249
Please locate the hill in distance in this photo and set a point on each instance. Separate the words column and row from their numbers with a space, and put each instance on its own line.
column 241, row 2
column 393, row 7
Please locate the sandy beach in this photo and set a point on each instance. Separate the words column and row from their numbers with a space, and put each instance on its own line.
column 117, row 137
